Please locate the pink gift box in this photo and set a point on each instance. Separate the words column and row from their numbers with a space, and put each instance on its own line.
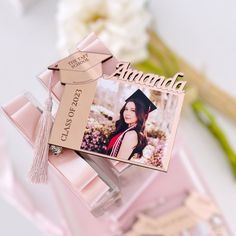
column 102, row 186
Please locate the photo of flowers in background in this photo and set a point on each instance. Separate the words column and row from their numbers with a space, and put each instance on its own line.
column 110, row 98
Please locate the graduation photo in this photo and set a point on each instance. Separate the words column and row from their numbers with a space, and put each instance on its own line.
column 128, row 122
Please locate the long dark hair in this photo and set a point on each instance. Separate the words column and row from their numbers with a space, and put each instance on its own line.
column 121, row 126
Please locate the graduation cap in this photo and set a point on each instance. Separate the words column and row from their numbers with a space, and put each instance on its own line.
column 80, row 67
column 140, row 96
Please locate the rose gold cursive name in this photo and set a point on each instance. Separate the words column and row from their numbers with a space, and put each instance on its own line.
column 126, row 73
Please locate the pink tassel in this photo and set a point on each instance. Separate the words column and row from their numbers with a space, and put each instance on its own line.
column 39, row 169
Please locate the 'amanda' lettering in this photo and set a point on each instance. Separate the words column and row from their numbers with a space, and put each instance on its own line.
column 126, row 73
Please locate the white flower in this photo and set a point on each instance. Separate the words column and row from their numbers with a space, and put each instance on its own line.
column 121, row 25
column 148, row 151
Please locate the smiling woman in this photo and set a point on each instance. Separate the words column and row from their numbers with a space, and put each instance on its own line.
column 128, row 139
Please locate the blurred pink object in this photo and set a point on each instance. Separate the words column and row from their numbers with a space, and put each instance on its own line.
column 136, row 196
column 13, row 192
column 77, row 173
column 182, row 178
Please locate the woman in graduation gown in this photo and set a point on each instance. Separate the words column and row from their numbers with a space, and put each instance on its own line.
column 128, row 139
